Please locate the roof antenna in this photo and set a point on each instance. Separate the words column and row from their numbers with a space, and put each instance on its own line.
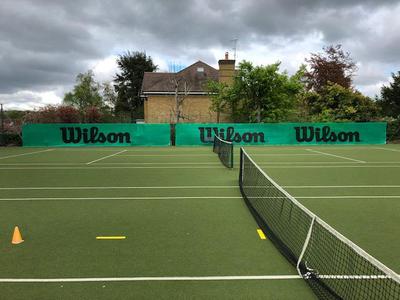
column 234, row 48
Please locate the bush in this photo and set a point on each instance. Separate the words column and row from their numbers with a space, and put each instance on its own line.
column 10, row 139
column 393, row 130
column 68, row 114
column 54, row 114
column 48, row 114
column 93, row 115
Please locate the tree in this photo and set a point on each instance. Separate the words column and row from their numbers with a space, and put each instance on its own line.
column 336, row 103
column 109, row 95
column 263, row 93
column 333, row 66
column 390, row 98
column 301, row 111
column 128, row 83
column 219, row 94
column 86, row 92
column 181, row 91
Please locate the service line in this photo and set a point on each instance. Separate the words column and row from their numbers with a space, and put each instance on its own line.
column 338, row 156
column 104, row 157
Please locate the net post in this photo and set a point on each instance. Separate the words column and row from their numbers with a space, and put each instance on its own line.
column 232, row 156
column 215, row 138
column 241, row 167
column 305, row 246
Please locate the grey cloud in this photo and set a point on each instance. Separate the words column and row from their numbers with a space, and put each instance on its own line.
column 45, row 43
column 22, row 100
column 41, row 46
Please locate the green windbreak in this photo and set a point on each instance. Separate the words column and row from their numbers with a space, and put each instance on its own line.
column 283, row 133
column 78, row 135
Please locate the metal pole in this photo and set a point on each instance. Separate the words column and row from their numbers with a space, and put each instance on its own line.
column 2, row 117
column 2, row 125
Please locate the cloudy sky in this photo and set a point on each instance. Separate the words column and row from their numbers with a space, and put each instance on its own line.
column 44, row 44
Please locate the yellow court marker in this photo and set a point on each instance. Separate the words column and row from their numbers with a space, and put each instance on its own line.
column 261, row 234
column 110, row 237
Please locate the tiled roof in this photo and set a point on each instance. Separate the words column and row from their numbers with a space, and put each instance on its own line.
column 195, row 75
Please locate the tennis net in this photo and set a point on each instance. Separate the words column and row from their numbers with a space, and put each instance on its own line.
column 224, row 149
column 332, row 265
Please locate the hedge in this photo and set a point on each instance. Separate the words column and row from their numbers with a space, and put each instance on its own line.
column 10, row 139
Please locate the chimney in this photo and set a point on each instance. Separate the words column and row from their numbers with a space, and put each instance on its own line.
column 226, row 69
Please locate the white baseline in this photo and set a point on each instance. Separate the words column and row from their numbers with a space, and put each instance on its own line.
column 188, row 278
column 170, row 278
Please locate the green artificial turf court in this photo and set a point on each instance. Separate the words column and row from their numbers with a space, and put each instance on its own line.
column 354, row 189
column 184, row 219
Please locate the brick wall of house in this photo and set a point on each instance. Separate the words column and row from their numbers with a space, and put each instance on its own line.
column 196, row 109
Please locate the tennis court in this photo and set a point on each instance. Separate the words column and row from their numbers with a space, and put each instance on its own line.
column 188, row 232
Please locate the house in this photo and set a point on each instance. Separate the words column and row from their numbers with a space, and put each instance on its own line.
column 184, row 92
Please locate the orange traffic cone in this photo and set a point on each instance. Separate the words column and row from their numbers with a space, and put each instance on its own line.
column 17, row 238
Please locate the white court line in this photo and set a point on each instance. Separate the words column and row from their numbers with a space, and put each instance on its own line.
column 325, row 167
column 333, row 197
column 90, row 167
column 264, row 163
column 162, row 163
column 166, row 155
column 29, row 153
column 121, row 187
column 119, row 198
column 387, row 149
column 41, row 164
column 338, row 186
column 194, row 197
column 348, row 197
column 86, row 149
column 318, row 162
column 113, row 163
column 337, row 156
column 211, row 154
column 167, row 278
column 163, row 149
column 287, row 154
column 214, row 167
column 111, row 155
column 188, row 278
column 189, row 187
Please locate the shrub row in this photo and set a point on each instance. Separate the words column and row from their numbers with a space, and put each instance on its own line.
column 10, row 139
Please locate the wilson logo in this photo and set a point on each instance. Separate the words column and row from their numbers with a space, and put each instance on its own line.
column 76, row 135
column 315, row 134
column 229, row 134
